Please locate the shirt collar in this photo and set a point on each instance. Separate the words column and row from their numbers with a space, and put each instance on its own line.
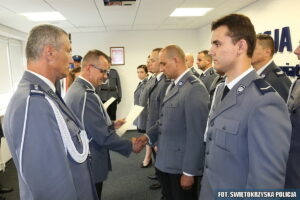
column 206, row 70
column 47, row 81
column 263, row 68
column 237, row 79
column 158, row 76
column 178, row 78
column 150, row 76
column 87, row 82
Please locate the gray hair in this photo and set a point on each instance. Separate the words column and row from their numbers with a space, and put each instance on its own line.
column 41, row 36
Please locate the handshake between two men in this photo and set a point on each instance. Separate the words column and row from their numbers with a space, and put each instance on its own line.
column 137, row 143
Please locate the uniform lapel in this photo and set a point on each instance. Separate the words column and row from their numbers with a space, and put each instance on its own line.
column 155, row 84
column 228, row 101
column 175, row 89
column 233, row 94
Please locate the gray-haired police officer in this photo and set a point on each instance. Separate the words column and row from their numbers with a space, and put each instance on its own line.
column 47, row 142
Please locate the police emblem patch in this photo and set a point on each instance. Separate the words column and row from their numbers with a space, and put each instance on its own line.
column 240, row 89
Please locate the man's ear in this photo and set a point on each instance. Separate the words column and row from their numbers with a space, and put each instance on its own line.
column 242, row 46
column 48, row 52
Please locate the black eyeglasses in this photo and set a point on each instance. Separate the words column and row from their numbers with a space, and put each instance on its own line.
column 103, row 71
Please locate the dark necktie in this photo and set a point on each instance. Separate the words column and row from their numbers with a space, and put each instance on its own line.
column 171, row 87
column 225, row 91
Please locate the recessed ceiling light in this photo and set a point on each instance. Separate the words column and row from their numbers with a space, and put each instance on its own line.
column 190, row 12
column 44, row 16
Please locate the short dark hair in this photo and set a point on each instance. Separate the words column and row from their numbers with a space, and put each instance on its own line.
column 93, row 55
column 205, row 52
column 143, row 67
column 266, row 41
column 240, row 27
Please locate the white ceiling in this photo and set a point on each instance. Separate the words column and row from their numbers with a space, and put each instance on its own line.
column 93, row 16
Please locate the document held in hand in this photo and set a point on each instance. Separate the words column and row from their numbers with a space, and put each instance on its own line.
column 132, row 115
column 108, row 102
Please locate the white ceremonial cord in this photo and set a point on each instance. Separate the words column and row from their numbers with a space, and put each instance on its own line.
column 82, row 114
column 83, row 109
column 66, row 137
column 22, row 141
column 65, row 134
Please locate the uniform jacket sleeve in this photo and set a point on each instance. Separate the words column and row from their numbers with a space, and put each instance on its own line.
column 96, row 127
column 269, row 146
column 196, row 112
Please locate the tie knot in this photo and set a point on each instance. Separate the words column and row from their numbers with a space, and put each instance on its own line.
column 225, row 91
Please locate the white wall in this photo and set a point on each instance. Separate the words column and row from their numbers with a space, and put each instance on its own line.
column 138, row 45
column 268, row 15
column 12, row 63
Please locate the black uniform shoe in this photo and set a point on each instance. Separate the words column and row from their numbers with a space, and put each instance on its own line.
column 155, row 186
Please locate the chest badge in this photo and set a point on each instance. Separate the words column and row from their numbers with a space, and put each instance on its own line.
column 240, row 89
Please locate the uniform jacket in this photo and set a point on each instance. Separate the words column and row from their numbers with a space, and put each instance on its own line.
column 103, row 137
column 156, row 96
column 215, row 83
column 208, row 77
column 137, row 94
column 247, row 139
column 277, row 79
column 293, row 169
column 180, row 129
column 138, row 91
column 112, row 88
column 195, row 73
column 49, row 172
column 143, row 101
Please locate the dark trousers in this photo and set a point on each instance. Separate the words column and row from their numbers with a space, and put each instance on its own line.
column 112, row 110
column 99, row 189
column 172, row 190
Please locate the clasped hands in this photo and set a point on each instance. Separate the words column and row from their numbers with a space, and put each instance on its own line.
column 139, row 143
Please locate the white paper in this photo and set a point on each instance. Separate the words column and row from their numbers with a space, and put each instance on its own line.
column 108, row 102
column 132, row 115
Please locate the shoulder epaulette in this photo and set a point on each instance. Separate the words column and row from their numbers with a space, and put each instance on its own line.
column 263, row 86
column 278, row 72
column 36, row 90
column 211, row 72
column 89, row 90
